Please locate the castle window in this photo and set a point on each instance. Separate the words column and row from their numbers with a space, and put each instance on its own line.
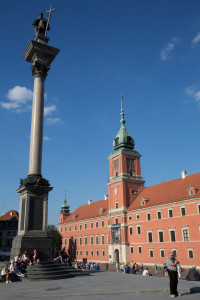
column 80, row 227
column 97, row 224
column 76, row 252
column 102, row 223
column 75, row 227
column 150, row 237
column 80, row 241
column 150, row 252
column 130, row 218
column 170, row 212
column 97, row 252
column 160, row 236
column 172, row 235
column 85, row 225
column 92, row 252
column 131, row 249
column 103, row 252
column 97, row 239
column 86, row 252
column 65, row 228
column 103, row 239
column 183, row 212
column 130, row 230
column 138, row 229
column 116, row 221
column 159, row 215
column 116, row 173
column 162, row 253
column 131, row 173
column 85, row 240
column 190, row 253
column 185, row 232
column 139, row 249
column 148, row 216
column 91, row 224
column 133, row 192
column 91, row 240
column 80, row 252
column 137, row 216
column 116, row 204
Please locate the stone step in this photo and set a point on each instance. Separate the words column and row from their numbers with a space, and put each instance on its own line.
column 52, row 271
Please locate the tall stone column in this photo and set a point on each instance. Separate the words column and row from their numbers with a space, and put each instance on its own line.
column 34, row 190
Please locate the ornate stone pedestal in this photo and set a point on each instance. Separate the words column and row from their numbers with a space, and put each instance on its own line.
column 32, row 229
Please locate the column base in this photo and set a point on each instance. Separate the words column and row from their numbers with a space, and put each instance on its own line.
column 29, row 243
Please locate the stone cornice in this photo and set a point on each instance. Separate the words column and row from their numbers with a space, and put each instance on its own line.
column 125, row 177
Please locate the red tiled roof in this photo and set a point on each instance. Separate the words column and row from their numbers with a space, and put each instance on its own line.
column 11, row 214
column 88, row 211
column 167, row 192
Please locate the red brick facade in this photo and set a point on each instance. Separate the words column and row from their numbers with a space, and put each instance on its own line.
column 134, row 223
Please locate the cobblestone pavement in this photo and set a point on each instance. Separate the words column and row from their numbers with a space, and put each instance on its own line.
column 98, row 286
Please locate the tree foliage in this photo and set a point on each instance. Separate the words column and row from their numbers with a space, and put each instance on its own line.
column 55, row 236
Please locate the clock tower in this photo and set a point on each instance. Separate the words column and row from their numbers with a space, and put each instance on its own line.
column 124, row 185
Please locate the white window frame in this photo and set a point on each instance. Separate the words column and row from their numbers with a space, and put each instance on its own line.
column 172, row 229
column 185, row 228
column 92, row 252
column 149, row 218
column 103, row 252
column 103, row 239
column 116, row 205
column 149, row 231
column 102, row 223
column 149, row 253
column 160, row 230
column 181, row 210
column 162, row 249
column 172, row 212
column 97, row 252
column 140, row 248
column 188, row 250
column 137, row 216
column 159, row 211
column 138, row 226
column 85, row 239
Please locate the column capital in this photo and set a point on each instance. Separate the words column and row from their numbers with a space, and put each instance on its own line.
column 39, row 70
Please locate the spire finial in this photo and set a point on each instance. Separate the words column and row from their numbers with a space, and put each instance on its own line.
column 122, row 121
column 65, row 200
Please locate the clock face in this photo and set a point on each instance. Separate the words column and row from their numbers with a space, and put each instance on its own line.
column 116, row 164
column 130, row 163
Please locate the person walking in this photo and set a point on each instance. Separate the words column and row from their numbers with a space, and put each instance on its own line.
column 171, row 263
column 117, row 267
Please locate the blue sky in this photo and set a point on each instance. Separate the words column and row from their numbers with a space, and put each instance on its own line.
column 148, row 50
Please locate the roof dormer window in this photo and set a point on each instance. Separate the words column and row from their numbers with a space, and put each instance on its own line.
column 191, row 190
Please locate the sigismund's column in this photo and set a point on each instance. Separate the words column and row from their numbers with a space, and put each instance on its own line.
column 33, row 212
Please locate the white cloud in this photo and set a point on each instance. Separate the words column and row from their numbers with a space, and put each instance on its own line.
column 53, row 121
column 165, row 52
column 49, row 109
column 20, row 94
column 196, row 40
column 194, row 94
column 46, row 138
column 18, row 99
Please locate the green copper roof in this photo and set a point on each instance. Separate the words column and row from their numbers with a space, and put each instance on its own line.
column 123, row 139
column 65, row 207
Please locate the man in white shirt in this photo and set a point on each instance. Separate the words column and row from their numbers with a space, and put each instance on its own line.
column 145, row 272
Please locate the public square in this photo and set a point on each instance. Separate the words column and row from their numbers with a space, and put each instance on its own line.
column 99, row 285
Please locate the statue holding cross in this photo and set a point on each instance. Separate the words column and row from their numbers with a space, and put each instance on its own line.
column 41, row 24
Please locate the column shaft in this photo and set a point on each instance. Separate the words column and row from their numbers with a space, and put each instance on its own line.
column 35, row 158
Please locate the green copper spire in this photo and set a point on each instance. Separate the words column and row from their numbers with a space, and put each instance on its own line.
column 123, row 139
column 122, row 121
column 65, row 207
